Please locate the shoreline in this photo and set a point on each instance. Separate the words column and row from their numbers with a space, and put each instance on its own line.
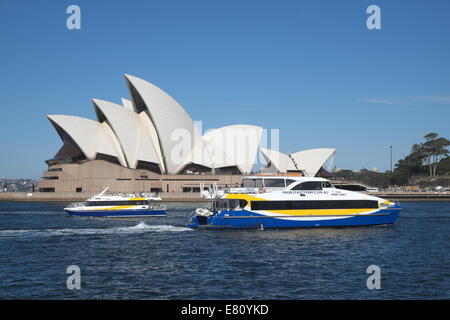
column 190, row 197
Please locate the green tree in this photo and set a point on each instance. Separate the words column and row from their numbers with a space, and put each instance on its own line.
column 411, row 165
column 444, row 166
column 435, row 149
column 345, row 174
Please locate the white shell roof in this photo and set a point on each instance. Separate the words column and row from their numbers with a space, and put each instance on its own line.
column 127, row 103
column 238, row 142
column 134, row 138
column 153, row 127
column 308, row 160
column 278, row 160
column 147, row 123
column 311, row 160
column 92, row 137
column 171, row 121
column 198, row 155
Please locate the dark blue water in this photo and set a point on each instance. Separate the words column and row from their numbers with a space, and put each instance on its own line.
column 158, row 258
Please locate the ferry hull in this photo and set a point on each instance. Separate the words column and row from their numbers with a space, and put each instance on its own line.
column 116, row 213
column 251, row 220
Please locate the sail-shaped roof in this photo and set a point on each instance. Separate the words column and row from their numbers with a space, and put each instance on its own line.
column 152, row 130
column 91, row 137
column 174, row 127
column 134, row 137
column 280, row 161
column 311, row 160
column 239, row 144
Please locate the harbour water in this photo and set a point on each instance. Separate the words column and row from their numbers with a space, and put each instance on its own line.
column 159, row 258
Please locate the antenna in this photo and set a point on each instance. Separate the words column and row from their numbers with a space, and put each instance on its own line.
column 296, row 167
column 103, row 192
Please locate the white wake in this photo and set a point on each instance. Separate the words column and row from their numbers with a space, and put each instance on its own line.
column 142, row 227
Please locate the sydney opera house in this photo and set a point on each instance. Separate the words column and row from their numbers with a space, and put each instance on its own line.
column 151, row 144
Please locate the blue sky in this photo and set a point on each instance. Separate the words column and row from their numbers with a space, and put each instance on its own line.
column 311, row 69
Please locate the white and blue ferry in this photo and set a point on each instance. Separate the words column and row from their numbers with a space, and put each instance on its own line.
column 291, row 202
column 118, row 206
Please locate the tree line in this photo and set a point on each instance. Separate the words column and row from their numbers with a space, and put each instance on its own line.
column 429, row 158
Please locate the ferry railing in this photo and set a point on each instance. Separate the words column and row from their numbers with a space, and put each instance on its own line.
column 243, row 190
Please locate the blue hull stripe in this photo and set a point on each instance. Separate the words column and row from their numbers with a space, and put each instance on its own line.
column 255, row 221
column 117, row 213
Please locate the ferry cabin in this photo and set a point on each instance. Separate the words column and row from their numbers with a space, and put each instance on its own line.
column 301, row 193
column 130, row 202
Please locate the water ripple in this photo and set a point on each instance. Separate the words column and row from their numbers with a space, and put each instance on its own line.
column 159, row 258
column 142, row 227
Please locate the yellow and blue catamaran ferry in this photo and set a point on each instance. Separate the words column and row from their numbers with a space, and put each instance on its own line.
column 118, row 206
column 291, row 202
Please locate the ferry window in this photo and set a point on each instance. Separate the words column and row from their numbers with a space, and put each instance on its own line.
column 116, row 203
column 233, row 204
column 226, row 204
column 313, row 204
column 252, row 183
column 248, row 183
column 242, row 203
column 326, row 184
column 223, row 204
column 273, row 183
column 309, row 185
column 289, row 181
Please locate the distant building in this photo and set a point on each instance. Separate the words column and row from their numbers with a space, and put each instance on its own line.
column 17, row 185
column 150, row 143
